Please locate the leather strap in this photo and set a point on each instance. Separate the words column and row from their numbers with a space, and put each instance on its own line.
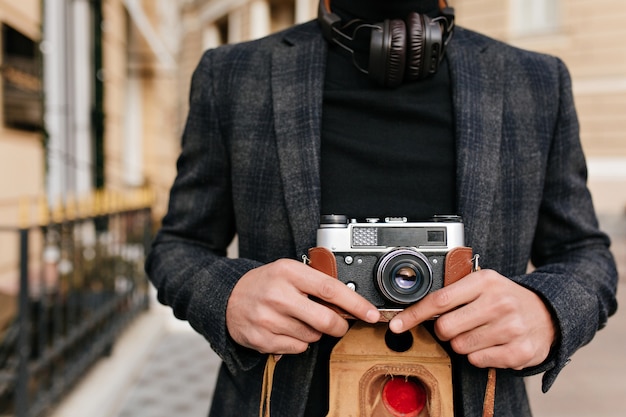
column 266, row 388
column 490, row 394
column 489, row 401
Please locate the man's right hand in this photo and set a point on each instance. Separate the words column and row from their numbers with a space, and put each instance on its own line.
column 269, row 309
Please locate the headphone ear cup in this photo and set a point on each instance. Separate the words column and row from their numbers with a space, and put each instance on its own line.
column 387, row 59
column 416, row 44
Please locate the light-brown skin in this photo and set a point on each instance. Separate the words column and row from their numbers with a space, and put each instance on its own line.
column 491, row 319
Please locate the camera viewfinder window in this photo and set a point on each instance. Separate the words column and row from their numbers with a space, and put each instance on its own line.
column 436, row 236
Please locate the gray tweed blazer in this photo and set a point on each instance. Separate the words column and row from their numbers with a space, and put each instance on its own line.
column 250, row 166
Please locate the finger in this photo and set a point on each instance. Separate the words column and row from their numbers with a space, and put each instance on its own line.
column 320, row 318
column 310, row 319
column 461, row 320
column 435, row 304
column 477, row 339
column 285, row 336
column 502, row 356
column 337, row 293
column 284, row 345
column 289, row 311
column 300, row 330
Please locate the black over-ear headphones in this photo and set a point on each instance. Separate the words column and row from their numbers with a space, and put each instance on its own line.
column 400, row 50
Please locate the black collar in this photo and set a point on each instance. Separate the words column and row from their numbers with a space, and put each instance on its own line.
column 378, row 10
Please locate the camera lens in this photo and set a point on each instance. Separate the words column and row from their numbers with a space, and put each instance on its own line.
column 404, row 276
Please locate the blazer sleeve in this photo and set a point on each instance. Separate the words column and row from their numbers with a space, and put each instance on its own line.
column 187, row 263
column 575, row 271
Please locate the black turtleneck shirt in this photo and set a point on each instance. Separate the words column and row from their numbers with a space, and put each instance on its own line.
column 385, row 152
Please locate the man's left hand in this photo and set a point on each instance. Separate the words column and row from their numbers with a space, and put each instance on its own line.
column 491, row 319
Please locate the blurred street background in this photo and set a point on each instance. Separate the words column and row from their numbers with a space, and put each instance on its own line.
column 93, row 99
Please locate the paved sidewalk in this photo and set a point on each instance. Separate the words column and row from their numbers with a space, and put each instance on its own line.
column 176, row 380
column 158, row 368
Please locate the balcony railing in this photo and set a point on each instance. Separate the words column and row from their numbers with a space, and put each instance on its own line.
column 76, row 282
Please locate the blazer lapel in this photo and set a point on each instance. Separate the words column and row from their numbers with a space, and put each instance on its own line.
column 298, row 75
column 478, row 101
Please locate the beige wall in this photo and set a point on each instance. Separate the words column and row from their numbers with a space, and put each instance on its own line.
column 23, row 15
column 161, row 139
column 21, row 167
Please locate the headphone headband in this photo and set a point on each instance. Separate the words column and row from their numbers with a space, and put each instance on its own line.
column 330, row 19
column 417, row 41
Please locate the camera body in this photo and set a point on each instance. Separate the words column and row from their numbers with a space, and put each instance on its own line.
column 392, row 263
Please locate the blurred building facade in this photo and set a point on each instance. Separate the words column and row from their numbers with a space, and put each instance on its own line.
column 88, row 100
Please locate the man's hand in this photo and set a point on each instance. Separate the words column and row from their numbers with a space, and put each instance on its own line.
column 269, row 309
column 491, row 319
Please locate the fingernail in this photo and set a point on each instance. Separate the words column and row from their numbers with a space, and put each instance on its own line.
column 373, row 316
column 396, row 325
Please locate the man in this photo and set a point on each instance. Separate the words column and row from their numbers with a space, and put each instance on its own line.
column 286, row 128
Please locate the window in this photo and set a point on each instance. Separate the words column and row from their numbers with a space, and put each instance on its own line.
column 21, row 78
column 534, row 17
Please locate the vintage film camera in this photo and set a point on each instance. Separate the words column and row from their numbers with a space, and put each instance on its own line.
column 392, row 263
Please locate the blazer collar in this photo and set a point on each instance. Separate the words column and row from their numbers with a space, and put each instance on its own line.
column 298, row 66
column 477, row 90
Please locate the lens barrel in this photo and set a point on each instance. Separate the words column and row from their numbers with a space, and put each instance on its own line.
column 404, row 276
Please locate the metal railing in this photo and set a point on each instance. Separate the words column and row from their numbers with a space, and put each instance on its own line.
column 81, row 281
